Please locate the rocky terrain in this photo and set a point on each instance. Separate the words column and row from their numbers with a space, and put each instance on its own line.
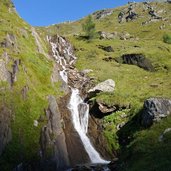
column 123, row 74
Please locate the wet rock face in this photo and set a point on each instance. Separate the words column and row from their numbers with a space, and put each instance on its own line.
column 74, row 144
column 96, row 134
column 79, row 80
column 60, row 137
column 136, row 59
column 5, row 130
column 154, row 110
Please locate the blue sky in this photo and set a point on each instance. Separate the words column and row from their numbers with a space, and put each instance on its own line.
column 47, row 12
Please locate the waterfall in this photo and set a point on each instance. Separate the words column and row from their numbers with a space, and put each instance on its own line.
column 81, row 124
column 79, row 109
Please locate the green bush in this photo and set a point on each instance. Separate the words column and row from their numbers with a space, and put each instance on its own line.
column 89, row 28
column 167, row 38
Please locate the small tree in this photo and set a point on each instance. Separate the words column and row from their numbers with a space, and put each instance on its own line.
column 89, row 28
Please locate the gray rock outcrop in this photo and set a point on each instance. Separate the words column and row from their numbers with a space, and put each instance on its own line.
column 154, row 110
column 53, row 137
column 103, row 13
column 4, row 74
column 105, row 86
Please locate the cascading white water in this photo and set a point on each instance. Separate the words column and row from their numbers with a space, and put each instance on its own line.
column 81, row 124
column 79, row 109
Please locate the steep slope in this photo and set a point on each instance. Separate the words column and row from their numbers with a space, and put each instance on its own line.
column 142, row 36
column 25, row 84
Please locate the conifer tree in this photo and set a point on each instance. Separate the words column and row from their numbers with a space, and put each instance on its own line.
column 89, row 28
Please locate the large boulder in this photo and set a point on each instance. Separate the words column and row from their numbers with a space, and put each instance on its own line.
column 136, row 59
column 105, row 86
column 154, row 110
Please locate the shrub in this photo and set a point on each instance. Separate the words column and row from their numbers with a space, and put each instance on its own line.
column 89, row 28
column 167, row 38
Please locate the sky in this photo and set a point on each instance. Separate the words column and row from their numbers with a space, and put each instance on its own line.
column 47, row 12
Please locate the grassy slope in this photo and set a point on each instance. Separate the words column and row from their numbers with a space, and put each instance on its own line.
column 35, row 72
column 133, row 85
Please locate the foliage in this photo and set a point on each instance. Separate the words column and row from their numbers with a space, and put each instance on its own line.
column 167, row 38
column 89, row 28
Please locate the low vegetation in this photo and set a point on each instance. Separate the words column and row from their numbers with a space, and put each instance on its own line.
column 167, row 38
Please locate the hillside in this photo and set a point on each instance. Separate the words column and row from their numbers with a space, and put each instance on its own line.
column 133, row 84
column 35, row 124
column 25, row 77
